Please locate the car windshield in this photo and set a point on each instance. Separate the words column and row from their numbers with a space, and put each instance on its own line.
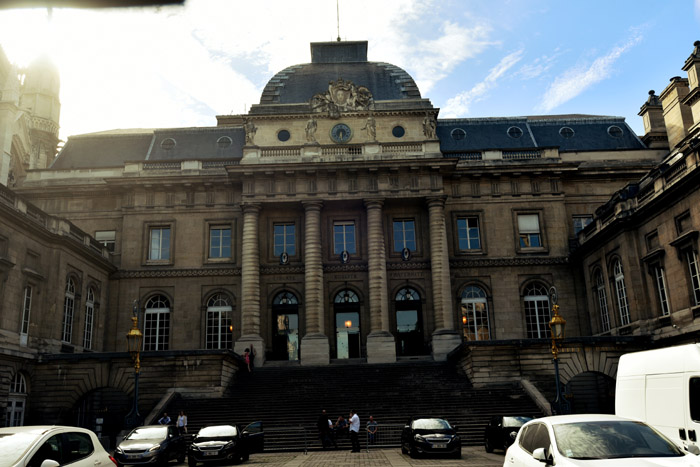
column 13, row 445
column 611, row 440
column 431, row 424
column 215, row 432
column 156, row 432
column 515, row 421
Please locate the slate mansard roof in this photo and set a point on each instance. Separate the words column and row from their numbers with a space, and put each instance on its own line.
column 114, row 148
column 568, row 133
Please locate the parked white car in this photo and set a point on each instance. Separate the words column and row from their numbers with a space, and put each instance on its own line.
column 590, row 440
column 51, row 446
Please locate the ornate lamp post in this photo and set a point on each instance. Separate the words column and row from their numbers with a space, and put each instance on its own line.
column 134, row 338
column 557, row 325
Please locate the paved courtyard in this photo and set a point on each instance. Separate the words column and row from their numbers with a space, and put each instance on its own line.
column 471, row 456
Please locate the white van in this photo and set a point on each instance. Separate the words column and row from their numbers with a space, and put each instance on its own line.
column 662, row 388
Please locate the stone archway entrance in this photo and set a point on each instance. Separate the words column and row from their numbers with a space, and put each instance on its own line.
column 103, row 411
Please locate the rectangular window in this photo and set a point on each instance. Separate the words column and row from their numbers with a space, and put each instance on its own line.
column 603, row 307
column 692, row 257
column 219, row 242
column 107, row 238
column 652, row 241
column 661, row 288
column 285, row 239
column 160, row 244
column 468, row 233
column 529, row 231
column 156, row 334
column 580, row 223
column 26, row 309
column 344, row 238
column 683, row 222
column 404, row 235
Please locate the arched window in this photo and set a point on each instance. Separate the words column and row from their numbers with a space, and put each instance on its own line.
column 346, row 296
column 16, row 402
column 346, row 306
column 621, row 293
column 285, row 298
column 285, row 326
column 409, row 328
column 475, row 314
column 68, row 309
column 89, row 318
column 157, row 323
column 602, row 301
column 537, row 311
column 219, row 322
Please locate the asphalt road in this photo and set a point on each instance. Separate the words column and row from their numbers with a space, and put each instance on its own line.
column 471, row 456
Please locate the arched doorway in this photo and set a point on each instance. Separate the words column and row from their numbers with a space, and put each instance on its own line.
column 346, row 306
column 409, row 326
column 285, row 322
column 591, row 392
column 17, row 400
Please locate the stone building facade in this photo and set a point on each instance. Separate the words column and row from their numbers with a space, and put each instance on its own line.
column 338, row 220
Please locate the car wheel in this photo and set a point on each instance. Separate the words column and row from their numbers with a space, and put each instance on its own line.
column 181, row 458
column 245, row 456
column 413, row 452
column 403, row 449
column 191, row 462
column 458, row 454
column 487, row 445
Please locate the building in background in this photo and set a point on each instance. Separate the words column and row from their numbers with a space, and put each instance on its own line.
column 341, row 220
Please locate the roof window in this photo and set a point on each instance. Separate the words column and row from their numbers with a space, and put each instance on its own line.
column 458, row 134
column 224, row 142
column 515, row 132
column 566, row 132
column 167, row 144
column 615, row 131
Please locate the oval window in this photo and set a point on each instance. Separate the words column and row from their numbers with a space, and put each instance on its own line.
column 283, row 135
column 458, row 134
column 224, row 142
column 615, row 131
column 515, row 132
column 566, row 132
column 398, row 131
column 167, row 144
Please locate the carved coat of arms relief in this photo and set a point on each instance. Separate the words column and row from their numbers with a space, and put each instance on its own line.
column 342, row 96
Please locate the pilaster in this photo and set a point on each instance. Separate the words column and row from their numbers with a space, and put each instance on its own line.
column 250, row 281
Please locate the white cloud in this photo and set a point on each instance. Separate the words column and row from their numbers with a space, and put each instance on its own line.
column 578, row 79
column 458, row 106
column 539, row 66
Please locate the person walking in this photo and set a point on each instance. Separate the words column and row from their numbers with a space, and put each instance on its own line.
column 354, row 431
column 182, row 423
column 323, row 429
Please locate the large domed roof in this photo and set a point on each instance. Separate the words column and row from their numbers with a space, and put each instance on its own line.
column 331, row 61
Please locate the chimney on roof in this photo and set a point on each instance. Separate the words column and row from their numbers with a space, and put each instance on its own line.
column 677, row 115
column 692, row 100
column 652, row 114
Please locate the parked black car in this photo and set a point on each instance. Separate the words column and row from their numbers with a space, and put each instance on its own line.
column 430, row 436
column 151, row 444
column 226, row 444
column 501, row 431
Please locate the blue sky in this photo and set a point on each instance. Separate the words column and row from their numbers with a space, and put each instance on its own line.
column 181, row 66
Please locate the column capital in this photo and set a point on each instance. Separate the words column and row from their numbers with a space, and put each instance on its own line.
column 374, row 203
column 250, row 207
column 312, row 205
column 436, row 200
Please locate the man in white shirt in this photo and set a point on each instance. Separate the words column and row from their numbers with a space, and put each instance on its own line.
column 354, row 431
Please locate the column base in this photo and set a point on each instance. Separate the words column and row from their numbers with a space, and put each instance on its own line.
column 381, row 347
column 315, row 350
column 444, row 342
column 244, row 342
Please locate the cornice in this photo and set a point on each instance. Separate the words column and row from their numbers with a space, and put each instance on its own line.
column 198, row 272
column 516, row 261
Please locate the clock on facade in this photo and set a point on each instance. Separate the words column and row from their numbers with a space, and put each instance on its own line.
column 341, row 133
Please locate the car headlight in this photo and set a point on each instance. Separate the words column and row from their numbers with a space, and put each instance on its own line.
column 230, row 444
column 419, row 438
column 154, row 448
column 119, row 450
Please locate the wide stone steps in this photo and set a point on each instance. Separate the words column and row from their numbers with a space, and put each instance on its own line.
column 289, row 399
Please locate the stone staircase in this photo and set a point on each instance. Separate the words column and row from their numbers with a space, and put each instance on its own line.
column 289, row 399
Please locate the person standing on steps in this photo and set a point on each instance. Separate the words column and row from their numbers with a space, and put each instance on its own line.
column 164, row 420
column 323, row 429
column 354, row 431
column 182, row 423
column 246, row 357
column 371, row 430
column 252, row 358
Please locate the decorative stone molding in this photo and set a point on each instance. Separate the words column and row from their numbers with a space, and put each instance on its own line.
column 501, row 262
column 342, row 96
column 199, row 272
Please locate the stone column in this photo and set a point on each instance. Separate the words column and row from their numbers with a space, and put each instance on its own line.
column 445, row 338
column 250, row 283
column 315, row 349
column 381, row 347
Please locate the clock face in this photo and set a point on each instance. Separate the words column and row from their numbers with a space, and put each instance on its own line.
column 341, row 133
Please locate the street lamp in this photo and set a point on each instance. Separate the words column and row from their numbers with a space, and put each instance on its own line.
column 557, row 325
column 134, row 338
